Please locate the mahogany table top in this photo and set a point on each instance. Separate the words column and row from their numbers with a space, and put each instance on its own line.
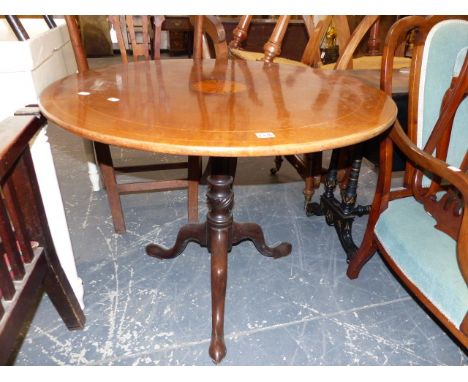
column 218, row 108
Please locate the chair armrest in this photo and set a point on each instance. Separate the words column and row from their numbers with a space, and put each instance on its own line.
column 453, row 175
column 456, row 177
column 214, row 28
column 15, row 134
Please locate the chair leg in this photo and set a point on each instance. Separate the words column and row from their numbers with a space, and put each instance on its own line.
column 60, row 293
column 313, row 175
column 364, row 253
column 278, row 162
column 194, row 175
column 31, row 209
column 104, row 159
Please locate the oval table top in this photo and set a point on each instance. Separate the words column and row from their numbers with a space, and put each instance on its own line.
column 224, row 108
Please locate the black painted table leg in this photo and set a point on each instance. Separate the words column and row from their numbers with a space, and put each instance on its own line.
column 219, row 234
column 338, row 214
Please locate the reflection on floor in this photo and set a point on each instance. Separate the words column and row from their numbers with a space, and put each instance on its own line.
column 298, row 310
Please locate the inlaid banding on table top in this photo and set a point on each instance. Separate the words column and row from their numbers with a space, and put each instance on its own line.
column 219, row 87
column 211, row 107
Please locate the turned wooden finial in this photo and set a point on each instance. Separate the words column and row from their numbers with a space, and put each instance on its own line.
column 240, row 32
column 272, row 48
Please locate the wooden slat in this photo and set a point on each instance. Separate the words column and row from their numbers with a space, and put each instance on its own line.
column 139, row 49
column 198, row 38
column 75, row 39
column 115, row 21
column 152, row 167
column 158, row 21
column 160, row 185
column 21, row 233
column 7, row 287
column 28, row 292
column 9, row 243
column 311, row 55
column 57, row 286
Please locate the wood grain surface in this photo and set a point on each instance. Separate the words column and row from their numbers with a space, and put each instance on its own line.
column 218, row 108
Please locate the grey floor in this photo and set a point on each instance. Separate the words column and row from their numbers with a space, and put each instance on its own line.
column 298, row 310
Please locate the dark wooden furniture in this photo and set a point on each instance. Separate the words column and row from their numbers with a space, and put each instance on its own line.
column 416, row 196
column 180, row 35
column 351, row 59
column 308, row 166
column 298, row 32
column 345, row 165
column 223, row 109
column 341, row 212
column 260, row 29
column 103, row 154
column 28, row 261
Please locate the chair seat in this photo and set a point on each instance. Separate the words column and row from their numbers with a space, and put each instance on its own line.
column 257, row 56
column 373, row 62
column 431, row 263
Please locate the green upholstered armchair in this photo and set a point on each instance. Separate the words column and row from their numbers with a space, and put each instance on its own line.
column 422, row 230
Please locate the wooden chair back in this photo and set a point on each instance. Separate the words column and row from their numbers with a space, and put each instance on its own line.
column 454, row 204
column 140, row 47
column 420, row 27
column 28, row 260
column 311, row 54
column 345, row 61
column 139, row 37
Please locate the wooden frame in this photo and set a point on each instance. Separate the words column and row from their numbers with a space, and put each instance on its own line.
column 418, row 158
column 23, row 221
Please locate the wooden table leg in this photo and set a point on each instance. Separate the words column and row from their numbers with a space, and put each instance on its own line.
column 219, row 234
column 341, row 215
column 219, row 220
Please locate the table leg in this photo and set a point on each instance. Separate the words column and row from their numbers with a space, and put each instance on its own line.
column 219, row 234
column 341, row 215
column 220, row 199
column 309, row 167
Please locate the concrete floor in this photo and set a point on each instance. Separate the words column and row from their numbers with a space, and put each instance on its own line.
column 298, row 310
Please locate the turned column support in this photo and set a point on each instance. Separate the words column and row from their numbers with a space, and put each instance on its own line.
column 219, row 233
column 272, row 48
column 240, row 32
